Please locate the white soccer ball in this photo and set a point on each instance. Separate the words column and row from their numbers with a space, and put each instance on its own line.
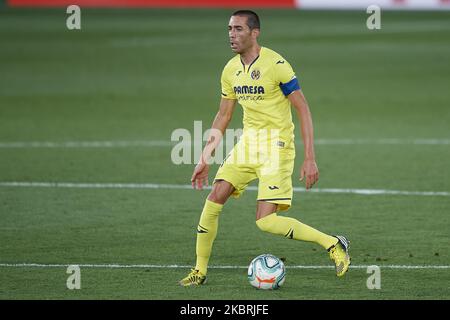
column 266, row 272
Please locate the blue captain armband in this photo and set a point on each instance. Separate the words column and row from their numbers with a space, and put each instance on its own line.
column 290, row 86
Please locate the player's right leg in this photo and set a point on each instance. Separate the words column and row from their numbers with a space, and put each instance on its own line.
column 207, row 231
column 232, row 178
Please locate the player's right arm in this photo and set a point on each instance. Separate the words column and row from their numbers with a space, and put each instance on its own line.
column 220, row 124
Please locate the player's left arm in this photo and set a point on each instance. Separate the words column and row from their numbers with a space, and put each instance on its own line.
column 309, row 167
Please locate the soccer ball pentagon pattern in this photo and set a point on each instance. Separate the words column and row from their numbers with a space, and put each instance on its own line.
column 266, row 272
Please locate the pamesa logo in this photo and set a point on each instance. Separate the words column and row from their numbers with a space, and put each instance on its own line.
column 248, row 89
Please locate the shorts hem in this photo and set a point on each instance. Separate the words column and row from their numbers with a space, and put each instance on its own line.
column 280, row 202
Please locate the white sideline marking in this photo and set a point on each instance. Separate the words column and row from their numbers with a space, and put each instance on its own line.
column 166, row 143
column 382, row 141
column 175, row 266
column 14, row 184
column 88, row 144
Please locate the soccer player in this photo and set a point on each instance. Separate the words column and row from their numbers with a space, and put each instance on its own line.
column 265, row 85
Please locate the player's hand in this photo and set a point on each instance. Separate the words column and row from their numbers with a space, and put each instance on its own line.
column 311, row 172
column 200, row 176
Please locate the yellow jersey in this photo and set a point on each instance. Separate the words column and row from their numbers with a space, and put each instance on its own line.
column 261, row 88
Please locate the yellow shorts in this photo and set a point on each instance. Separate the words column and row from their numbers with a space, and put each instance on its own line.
column 273, row 169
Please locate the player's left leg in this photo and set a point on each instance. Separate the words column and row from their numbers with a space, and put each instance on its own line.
column 275, row 194
column 268, row 220
column 337, row 246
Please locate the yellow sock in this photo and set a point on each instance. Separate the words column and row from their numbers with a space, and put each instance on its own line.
column 206, row 233
column 294, row 229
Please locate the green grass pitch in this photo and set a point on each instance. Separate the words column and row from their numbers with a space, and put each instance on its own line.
column 134, row 75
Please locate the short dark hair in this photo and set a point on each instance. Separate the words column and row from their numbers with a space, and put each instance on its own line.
column 252, row 18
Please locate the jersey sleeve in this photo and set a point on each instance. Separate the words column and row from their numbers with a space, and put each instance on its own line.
column 285, row 77
column 227, row 89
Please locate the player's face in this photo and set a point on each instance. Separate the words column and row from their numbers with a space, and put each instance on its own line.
column 241, row 37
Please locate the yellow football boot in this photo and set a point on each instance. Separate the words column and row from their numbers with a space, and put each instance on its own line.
column 194, row 278
column 340, row 255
